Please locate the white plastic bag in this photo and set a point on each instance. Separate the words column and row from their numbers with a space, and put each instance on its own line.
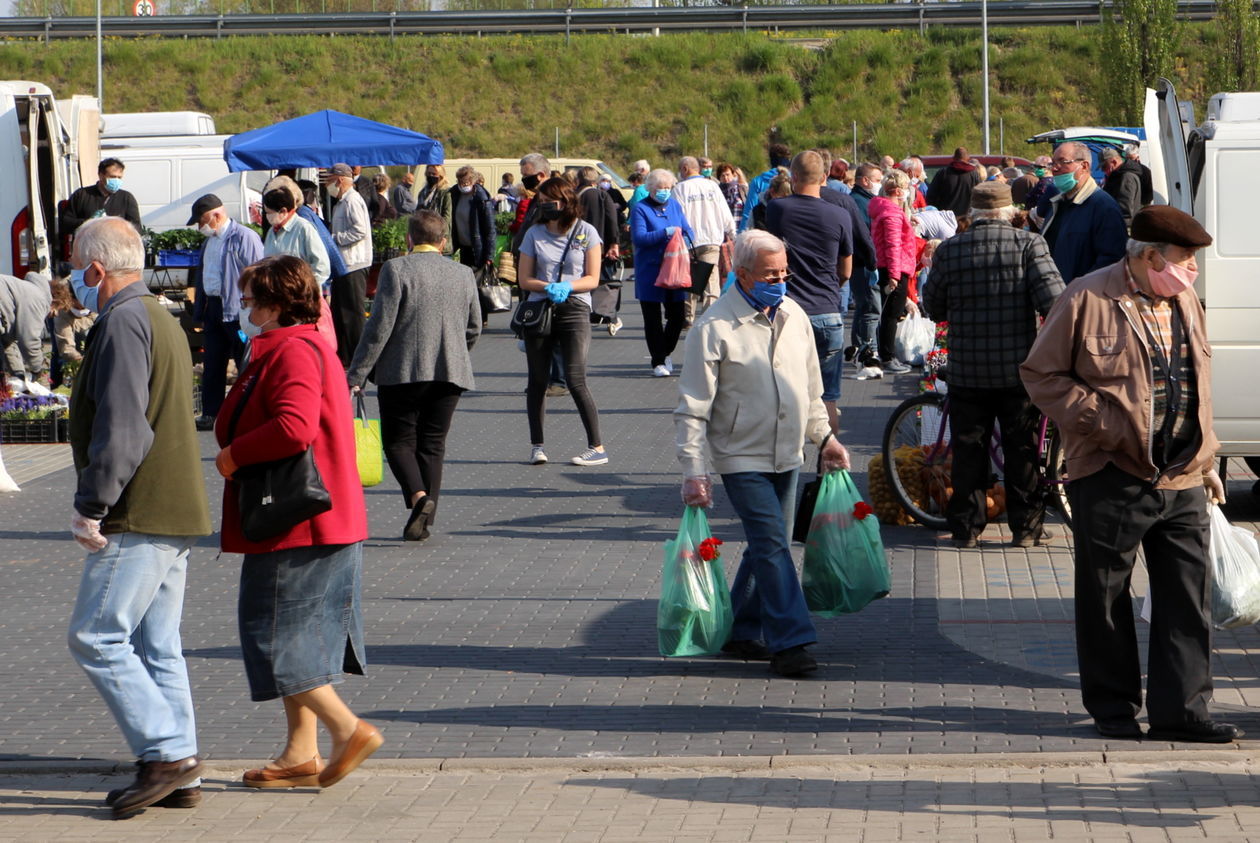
column 914, row 339
column 1235, row 557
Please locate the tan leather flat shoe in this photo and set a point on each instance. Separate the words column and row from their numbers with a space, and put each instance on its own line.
column 301, row 775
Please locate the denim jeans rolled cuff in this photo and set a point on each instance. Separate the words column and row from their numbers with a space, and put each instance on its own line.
column 867, row 304
column 124, row 633
column 300, row 618
column 766, row 596
column 829, row 341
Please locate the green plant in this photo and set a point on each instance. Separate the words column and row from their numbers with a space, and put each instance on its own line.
column 389, row 238
column 175, row 238
column 502, row 220
column 1138, row 40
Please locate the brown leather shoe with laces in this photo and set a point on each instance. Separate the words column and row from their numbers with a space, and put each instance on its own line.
column 155, row 780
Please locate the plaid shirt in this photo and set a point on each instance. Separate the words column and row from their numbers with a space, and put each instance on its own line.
column 990, row 283
column 1157, row 315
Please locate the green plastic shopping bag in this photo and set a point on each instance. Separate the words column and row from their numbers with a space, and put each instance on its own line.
column 845, row 566
column 693, row 617
column 367, row 445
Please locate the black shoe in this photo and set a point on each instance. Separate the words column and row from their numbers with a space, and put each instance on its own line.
column 751, row 651
column 1119, row 727
column 204, row 422
column 793, row 661
column 1035, row 539
column 1206, row 731
column 185, row 797
column 155, row 781
column 417, row 528
column 964, row 542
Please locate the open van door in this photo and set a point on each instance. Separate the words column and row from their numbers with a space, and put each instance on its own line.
column 1165, row 151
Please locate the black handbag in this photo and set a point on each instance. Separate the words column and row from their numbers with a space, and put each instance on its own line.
column 809, row 502
column 533, row 318
column 701, row 272
column 496, row 296
column 273, row 497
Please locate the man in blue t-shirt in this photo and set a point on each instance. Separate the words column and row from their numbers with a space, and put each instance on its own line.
column 819, row 237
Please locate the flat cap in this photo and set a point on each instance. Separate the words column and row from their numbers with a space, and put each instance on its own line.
column 990, row 195
column 1166, row 224
column 206, row 203
column 341, row 170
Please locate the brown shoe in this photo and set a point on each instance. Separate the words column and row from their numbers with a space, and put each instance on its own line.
column 299, row 775
column 155, row 780
column 365, row 740
column 185, row 797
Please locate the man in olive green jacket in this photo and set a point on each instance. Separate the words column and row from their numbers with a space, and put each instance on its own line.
column 139, row 505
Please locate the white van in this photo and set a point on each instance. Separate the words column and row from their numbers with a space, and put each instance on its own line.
column 1213, row 172
column 160, row 124
column 43, row 165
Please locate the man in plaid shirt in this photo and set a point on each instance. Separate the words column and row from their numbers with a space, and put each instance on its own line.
column 990, row 283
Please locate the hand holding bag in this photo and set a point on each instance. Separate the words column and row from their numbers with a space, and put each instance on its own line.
column 845, row 566
column 675, row 272
column 367, row 445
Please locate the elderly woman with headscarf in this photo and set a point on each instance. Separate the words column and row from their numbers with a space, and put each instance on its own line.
column 652, row 224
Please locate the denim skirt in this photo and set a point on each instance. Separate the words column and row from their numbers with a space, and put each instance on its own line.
column 301, row 623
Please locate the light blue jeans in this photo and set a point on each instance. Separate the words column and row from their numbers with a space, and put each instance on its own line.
column 125, row 635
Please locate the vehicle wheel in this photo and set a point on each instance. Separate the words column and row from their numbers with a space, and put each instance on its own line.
column 917, row 457
column 1056, row 478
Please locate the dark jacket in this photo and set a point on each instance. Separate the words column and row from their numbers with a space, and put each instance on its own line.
column 950, row 189
column 241, row 247
column 599, row 211
column 863, row 248
column 86, row 201
column 990, row 283
column 131, row 423
column 482, row 221
column 1124, row 184
column 1085, row 232
column 381, row 209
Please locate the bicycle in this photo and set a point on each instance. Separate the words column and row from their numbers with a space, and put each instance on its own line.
column 917, row 457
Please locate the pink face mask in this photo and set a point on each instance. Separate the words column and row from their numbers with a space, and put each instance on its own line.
column 1171, row 280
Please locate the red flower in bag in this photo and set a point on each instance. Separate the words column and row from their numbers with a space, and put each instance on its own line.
column 861, row 509
column 709, row 549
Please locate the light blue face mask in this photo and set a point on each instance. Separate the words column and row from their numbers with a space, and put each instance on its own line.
column 768, row 295
column 89, row 297
column 113, row 185
column 1065, row 181
column 661, row 196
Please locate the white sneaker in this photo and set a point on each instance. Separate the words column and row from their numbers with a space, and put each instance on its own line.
column 537, row 456
column 591, row 456
column 660, row 372
column 614, row 326
column 669, row 365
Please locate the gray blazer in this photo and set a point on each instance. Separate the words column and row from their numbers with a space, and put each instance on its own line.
column 425, row 319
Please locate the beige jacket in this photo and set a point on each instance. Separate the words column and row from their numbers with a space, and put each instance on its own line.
column 1090, row 371
column 750, row 392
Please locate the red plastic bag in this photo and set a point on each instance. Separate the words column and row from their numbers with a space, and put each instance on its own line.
column 675, row 271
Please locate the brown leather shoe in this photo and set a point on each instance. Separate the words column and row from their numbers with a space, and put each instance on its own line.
column 365, row 740
column 184, row 797
column 155, row 780
column 299, row 775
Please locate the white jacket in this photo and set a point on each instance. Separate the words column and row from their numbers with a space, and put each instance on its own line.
column 352, row 230
column 706, row 210
column 749, row 391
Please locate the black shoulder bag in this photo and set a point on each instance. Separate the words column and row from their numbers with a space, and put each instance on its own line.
column 533, row 318
column 809, row 500
column 274, row 497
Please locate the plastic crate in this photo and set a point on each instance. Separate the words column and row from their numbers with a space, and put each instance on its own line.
column 34, row 431
column 179, row 257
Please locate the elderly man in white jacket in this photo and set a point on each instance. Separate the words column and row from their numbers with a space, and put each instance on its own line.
column 750, row 394
column 351, row 230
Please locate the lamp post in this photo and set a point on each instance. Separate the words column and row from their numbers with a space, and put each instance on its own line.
column 984, row 32
column 100, row 78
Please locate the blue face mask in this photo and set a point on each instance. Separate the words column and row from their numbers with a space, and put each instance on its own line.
column 661, row 196
column 1065, row 181
column 89, row 297
column 768, row 295
column 113, row 185
column 707, row 172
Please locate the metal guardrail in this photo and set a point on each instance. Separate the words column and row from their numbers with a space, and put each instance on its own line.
column 920, row 14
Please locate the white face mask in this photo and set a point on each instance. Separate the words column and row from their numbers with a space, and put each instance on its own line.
column 334, row 190
column 275, row 217
column 248, row 328
column 465, row 188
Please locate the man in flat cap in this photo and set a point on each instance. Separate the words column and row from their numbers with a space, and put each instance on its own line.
column 1123, row 368
column 991, row 283
column 352, row 232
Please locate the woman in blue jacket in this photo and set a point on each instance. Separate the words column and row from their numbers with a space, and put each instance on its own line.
column 652, row 223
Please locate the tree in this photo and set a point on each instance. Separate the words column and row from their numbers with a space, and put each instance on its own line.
column 1234, row 66
column 1138, row 41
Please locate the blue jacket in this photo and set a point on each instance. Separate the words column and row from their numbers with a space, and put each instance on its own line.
column 241, row 247
column 758, row 186
column 648, row 222
column 334, row 254
column 1092, row 235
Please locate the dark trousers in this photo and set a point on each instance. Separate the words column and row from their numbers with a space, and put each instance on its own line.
column 662, row 339
column 222, row 342
column 571, row 332
column 894, row 309
column 971, row 416
column 348, row 294
column 415, row 418
column 468, row 259
column 1112, row 514
column 867, row 304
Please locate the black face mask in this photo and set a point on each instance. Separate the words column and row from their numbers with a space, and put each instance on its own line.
column 431, row 180
column 531, row 182
column 549, row 211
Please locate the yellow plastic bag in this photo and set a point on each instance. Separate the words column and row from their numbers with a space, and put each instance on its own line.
column 367, row 445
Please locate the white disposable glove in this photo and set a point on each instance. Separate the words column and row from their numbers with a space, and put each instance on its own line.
column 834, row 456
column 87, row 532
column 698, row 490
column 1215, row 488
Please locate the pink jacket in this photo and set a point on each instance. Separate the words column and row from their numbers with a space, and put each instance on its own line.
column 894, row 238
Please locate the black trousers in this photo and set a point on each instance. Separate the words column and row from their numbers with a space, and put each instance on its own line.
column 571, row 334
column 1112, row 514
column 222, row 342
column 468, row 259
column 415, row 418
column 971, row 416
column 662, row 339
column 894, row 309
column 348, row 294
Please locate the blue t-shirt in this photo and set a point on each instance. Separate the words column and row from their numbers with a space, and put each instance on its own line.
column 818, row 235
column 546, row 248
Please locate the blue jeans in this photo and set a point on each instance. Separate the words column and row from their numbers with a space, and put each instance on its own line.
column 766, row 596
column 124, row 633
column 867, row 307
column 829, row 340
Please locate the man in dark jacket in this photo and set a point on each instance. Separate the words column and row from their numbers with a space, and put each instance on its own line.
column 106, row 198
column 951, row 187
column 1081, row 223
column 864, row 285
column 1124, row 183
column 990, row 283
column 139, row 505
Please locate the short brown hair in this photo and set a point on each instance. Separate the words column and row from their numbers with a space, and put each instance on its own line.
column 558, row 189
column 286, row 283
column 426, row 228
column 280, row 199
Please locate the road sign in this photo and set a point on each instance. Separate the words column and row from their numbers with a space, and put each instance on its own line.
column 144, row 9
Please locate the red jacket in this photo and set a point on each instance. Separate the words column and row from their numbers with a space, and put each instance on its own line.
column 894, row 238
column 286, row 412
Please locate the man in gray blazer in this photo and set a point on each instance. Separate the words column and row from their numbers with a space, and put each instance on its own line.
column 425, row 320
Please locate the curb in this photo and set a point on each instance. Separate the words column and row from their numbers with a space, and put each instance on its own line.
column 727, row 763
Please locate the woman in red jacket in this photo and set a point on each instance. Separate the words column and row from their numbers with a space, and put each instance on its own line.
column 300, row 620
column 896, row 252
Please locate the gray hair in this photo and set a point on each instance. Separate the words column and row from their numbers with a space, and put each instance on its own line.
column 1111, row 152
column 753, row 242
column 1012, row 173
column 112, row 242
column 1004, row 214
column 641, row 166
column 688, row 163
column 538, row 161
column 656, row 178
column 912, row 166
column 1080, row 151
column 1137, row 248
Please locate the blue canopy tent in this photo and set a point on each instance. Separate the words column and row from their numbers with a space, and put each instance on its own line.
column 326, row 138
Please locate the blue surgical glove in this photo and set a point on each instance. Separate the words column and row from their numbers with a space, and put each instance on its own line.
column 670, row 230
column 558, row 291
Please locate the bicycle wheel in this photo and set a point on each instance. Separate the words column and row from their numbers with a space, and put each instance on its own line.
column 917, row 457
column 1054, row 471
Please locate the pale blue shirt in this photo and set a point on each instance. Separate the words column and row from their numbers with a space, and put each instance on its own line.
column 212, row 267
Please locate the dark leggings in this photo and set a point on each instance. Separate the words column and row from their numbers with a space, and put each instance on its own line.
column 661, row 340
column 571, row 331
column 894, row 309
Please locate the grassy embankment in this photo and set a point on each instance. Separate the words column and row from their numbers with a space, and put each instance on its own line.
column 621, row 98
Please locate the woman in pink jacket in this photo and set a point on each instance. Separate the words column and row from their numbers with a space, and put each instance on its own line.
column 896, row 249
